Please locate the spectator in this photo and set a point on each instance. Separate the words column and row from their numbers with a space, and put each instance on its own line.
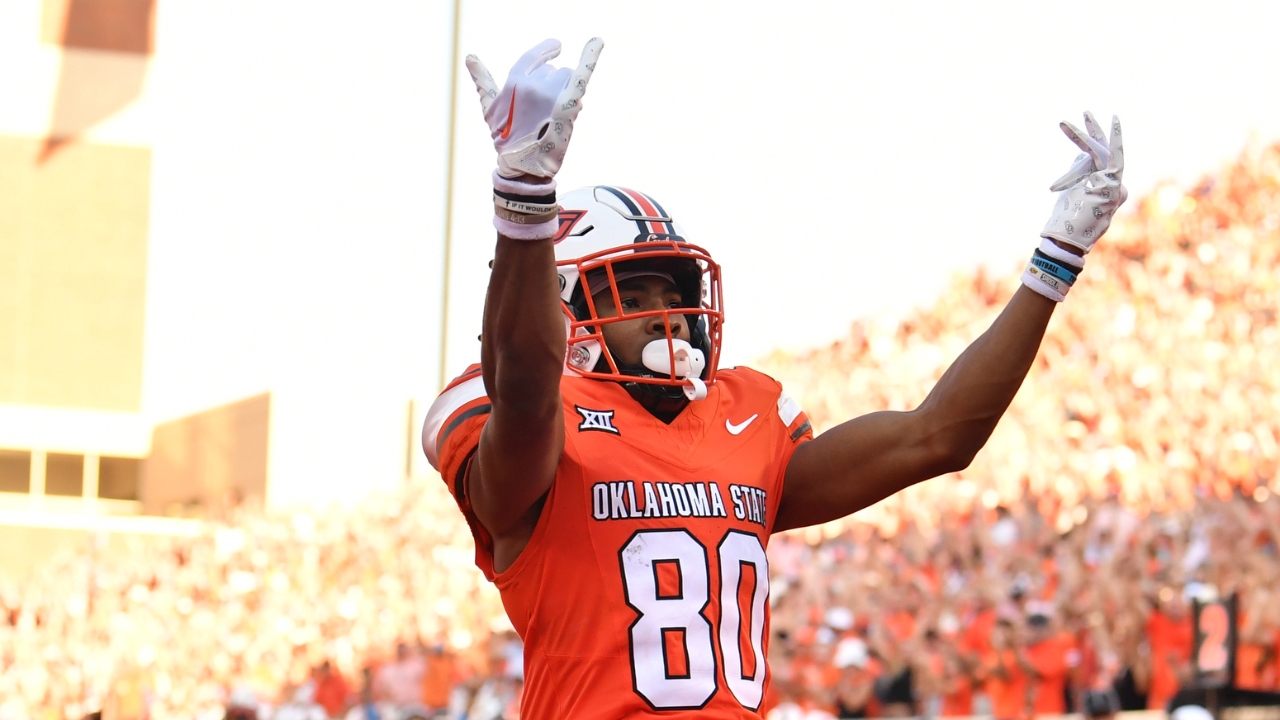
column 1006, row 674
column 367, row 708
column 438, row 678
column 957, row 686
column 1169, row 634
column 331, row 691
column 854, row 689
column 241, row 705
column 1049, row 659
column 399, row 683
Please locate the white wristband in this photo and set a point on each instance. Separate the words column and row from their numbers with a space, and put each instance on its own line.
column 1051, row 248
column 1044, row 283
column 519, row 187
column 520, row 231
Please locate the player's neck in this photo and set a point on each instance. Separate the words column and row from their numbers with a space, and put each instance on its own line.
column 665, row 409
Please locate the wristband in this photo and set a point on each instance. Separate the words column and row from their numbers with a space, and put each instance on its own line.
column 519, row 187
column 1045, row 284
column 1048, row 277
column 525, row 230
column 1052, row 271
column 1061, row 271
column 1071, row 260
column 526, row 204
column 524, row 210
column 520, row 218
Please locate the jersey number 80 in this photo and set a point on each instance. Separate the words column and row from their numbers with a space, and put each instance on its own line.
column 666, row 580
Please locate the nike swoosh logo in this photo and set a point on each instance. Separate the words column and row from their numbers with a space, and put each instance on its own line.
column 511, row 116
column 737, row 429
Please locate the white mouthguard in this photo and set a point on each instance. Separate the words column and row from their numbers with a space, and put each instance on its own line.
column 689, row 364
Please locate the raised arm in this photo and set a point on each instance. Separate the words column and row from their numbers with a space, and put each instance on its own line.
column 866, row 459
column 522, row 355
column 523, row 342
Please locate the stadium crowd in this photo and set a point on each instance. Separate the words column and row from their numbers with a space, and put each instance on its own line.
column 998, row 612
column 991, row 611
column 1135, row 471
column 254, row 606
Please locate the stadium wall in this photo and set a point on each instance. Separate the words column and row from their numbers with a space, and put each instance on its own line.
column 209, row 459
column 159, row 207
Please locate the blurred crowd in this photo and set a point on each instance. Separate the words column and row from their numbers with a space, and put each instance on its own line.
column 1134, row 473
column 255, row 609
column 377, row 612
column 999, row 613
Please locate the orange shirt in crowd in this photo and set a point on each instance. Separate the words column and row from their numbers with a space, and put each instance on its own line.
column 1008, row 693
column 1051, row 659
column 1275, row 672
column 1049, row 569
column 1253, row 671
column 1094, row 671
column 957, row 697
column 976, row 638
column 1250, row 674
column 1168, row 638
column 818, row 679
column 437, row 679
column 901, row 625
column 331, row 693
column 929, row 574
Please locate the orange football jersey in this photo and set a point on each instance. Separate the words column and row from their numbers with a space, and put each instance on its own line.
column 644, row 589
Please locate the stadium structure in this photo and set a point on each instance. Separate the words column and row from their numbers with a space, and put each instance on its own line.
column 83, row 204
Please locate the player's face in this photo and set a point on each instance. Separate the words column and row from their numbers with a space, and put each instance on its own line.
column 626, row 340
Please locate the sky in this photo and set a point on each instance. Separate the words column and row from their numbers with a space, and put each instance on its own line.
column 845, row 159
column 839, row 159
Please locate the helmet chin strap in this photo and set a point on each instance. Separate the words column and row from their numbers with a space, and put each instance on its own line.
column 689, row 364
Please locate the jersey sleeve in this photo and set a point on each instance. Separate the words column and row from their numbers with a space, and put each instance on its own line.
column 796, row 430
column 793, row 418
column 450, row 437
column 464, row 399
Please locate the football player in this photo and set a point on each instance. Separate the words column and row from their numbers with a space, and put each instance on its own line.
column 620, row 485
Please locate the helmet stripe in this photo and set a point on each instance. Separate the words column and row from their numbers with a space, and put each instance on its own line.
column 648, row 207
column 662, row 213
column 626, row 200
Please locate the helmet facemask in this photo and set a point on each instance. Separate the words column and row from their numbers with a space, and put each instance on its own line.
column 672, row 371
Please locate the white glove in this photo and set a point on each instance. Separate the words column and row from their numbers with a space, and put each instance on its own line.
column 1091, row 189
column 531, row 120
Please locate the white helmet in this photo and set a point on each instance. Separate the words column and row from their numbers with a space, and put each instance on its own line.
column 608, row 234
